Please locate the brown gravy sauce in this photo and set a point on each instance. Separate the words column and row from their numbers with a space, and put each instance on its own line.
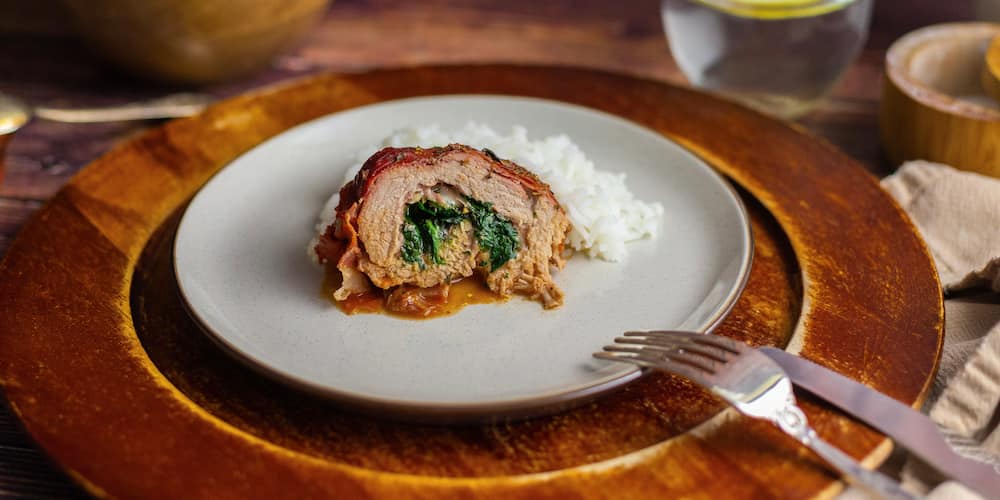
column 461, row 293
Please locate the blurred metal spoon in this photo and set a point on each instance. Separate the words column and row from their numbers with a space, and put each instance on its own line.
column 15, row 113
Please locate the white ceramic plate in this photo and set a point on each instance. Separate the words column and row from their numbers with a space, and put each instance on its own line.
column 242, row 267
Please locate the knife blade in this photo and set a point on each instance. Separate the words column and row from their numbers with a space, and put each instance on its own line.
column 906, row 426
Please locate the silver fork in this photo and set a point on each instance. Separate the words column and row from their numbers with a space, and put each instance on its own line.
column 749, row 381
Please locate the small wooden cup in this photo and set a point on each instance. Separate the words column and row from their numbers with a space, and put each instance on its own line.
column 934, row 106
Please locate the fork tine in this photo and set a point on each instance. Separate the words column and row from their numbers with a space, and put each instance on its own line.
column 694, row 374
column 644, row 333
column 646, row 358
column 707, row 365
column 618, row 356
column 630, row 353
column 680, row 355
column 665, row 343
column 621, row 348
column 651, row 341
column 733, row 346
column 718, row 341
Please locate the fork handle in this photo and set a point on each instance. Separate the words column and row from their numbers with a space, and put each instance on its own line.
column 793, row 422
column 874, row 481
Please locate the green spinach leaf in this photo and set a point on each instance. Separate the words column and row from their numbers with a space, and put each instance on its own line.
column 425, row 228
column 413, row 244
column 428, row 223
column 496, row 234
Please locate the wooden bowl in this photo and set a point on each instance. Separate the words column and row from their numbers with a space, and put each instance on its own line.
column 934, row 106
column 193, row 41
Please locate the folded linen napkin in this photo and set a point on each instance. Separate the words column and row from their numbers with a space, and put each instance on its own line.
column 958, row 215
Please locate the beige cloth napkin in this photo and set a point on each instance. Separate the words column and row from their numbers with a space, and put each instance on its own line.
column 958, row 214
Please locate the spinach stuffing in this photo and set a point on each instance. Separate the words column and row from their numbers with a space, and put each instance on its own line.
column 496, row 234
column 427, row 225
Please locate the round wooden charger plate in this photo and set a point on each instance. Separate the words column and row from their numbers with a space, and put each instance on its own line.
column 115, row 382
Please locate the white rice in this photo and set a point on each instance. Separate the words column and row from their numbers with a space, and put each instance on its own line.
column 604, row 213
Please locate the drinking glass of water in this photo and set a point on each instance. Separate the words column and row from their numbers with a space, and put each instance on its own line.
column 779, row 56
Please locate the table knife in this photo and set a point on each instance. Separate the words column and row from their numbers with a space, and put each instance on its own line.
column 906, row 426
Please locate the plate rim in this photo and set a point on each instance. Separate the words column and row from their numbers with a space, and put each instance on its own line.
column 445, row 413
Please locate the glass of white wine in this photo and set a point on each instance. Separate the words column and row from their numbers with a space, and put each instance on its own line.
column 779, row 56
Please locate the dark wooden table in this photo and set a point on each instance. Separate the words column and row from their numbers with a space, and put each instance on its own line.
column 42, row 62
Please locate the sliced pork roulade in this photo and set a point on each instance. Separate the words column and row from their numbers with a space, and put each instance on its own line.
column 426, row 217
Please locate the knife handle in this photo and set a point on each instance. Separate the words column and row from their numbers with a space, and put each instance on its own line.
column 873, row 481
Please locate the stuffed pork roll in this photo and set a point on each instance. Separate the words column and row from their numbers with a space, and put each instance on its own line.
column 427, row 217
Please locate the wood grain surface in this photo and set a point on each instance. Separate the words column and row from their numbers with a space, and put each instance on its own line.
column 101, row 365
column 41, row 61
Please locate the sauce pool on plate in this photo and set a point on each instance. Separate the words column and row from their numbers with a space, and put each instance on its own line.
column 412, row 302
